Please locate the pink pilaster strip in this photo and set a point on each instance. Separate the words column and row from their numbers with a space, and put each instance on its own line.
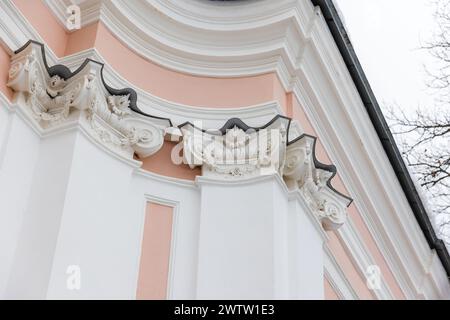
column 155, row 254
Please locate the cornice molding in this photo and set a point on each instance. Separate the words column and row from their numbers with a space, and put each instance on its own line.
column 157, row 110
column 90, row 11
column 398, row 237
column 54, row 96
column 14, row 27
column 178, row 113
column 337, row 277
column 237, row 152
column 171, row 34
column 362, row 258
column 61, row 74
column 302, row 170
column 165, row 179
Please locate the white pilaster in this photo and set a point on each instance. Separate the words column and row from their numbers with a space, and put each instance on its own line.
column 19, row 147
column 43, row 210
column 80, row 212
column 100, row 229
column 254, row 243
column 306, row 239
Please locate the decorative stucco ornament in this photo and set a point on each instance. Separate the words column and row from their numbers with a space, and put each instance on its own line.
column 237, row 151
column 55, row 95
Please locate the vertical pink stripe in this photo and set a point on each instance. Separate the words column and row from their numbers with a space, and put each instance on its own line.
column 357, row 281
column 330, row 294
column 155, row 254
column 43, row 20
column 4, row 69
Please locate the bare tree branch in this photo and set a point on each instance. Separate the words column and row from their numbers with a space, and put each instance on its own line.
column 424, row 137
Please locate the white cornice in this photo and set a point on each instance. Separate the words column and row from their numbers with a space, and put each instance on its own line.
column 15, row 31
column 167, row 33
column 384, row 208
column 362, row 258
column 316, row 73
column 337, row 277
column 212, row 117
column 54, row 98
column 165, row 179
column 90, row 11
column 18, row 109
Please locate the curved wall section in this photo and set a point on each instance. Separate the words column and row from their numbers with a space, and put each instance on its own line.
column 187, row 89
column 162, row 163
column 191, row 90
column 306, row 80
column 170, row 85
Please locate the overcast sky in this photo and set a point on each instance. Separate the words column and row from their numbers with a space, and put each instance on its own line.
column 387, row 35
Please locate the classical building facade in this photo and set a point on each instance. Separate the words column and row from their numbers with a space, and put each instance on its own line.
column 171, row 149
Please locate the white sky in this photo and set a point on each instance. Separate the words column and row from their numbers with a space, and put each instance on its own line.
column 387, row 35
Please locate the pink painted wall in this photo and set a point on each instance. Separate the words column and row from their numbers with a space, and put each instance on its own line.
column 42, row 19
column 161, row 163
column 81, row 39
column 334, row 242
column 184, row 88
column 155, row 254
column 330, row 294
column 356, row 280
column 374, row 250
column 197, row 91
column 4, row 69
column 160, row 81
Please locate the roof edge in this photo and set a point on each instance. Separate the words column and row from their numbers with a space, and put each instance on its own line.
column 370, row 102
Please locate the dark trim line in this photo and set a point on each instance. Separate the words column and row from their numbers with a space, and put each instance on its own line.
column 370, row 102
column 237, row 122
column 319, row 165
column 65, row 73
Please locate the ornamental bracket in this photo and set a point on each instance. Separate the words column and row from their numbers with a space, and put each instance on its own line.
column 55, row 95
